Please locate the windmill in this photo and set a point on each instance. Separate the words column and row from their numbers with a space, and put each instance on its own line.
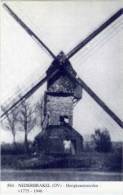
column 64, row 90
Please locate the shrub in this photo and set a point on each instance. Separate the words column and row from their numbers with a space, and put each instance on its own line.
column 102, row 140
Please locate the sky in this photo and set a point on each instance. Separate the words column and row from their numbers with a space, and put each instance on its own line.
column 61, row 26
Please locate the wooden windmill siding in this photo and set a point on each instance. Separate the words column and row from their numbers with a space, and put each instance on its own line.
column 59, row 99
column 62, row 92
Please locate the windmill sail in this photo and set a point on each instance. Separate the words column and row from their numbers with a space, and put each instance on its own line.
column 101, row 103
column 95, row 33
column 29, row 92
column 69, row 55
column 27, row 95
column 98, row 100
column 28, row 30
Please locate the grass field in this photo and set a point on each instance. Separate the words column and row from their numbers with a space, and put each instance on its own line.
column 87, row 167
column 59, row 175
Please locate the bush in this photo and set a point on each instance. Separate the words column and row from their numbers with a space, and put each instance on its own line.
column 102, row 140
column 17, row 149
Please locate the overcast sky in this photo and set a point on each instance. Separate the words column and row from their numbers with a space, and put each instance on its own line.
column 62, row 25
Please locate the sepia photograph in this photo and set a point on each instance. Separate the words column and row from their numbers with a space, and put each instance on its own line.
column 61, row 83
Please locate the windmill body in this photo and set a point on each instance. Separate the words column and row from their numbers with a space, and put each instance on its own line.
column 57, row 113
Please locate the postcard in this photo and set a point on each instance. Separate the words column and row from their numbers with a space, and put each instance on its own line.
column 61, row 128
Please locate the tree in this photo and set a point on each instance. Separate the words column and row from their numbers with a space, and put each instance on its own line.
column 27, row 119
column 41, row 113
column 102, row 140
column 9, row 121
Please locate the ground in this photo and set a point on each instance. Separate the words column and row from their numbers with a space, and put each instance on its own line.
column 87, row 167
column 59, row 175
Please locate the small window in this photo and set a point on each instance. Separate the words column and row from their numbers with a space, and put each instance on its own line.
column 64, row 120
